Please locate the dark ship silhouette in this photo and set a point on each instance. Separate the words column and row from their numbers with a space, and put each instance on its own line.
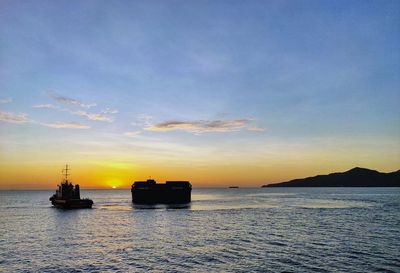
column 170, row 192
column 67, row 196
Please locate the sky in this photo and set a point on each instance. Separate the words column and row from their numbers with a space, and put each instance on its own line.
column 219, row 93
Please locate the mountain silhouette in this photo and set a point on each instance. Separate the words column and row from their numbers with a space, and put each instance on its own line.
column 356, row 177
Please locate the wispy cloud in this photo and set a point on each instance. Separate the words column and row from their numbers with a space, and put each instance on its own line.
column 104, row 115
column 13, row 117
column 132, row 134
column 66, row 125
column 6, row 100
column 21, row 118
column 69, row 101
column 92, row 116
column 110, row 111
column 202, row 126
column 50, row 106
column 143, row 120
column 255, row 129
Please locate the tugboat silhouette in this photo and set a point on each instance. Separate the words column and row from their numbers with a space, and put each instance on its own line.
column 67, row 196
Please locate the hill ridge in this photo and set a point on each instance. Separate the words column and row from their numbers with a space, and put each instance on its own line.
column 355, row 177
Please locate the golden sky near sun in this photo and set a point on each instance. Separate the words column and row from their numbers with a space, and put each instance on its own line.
column 245, row 170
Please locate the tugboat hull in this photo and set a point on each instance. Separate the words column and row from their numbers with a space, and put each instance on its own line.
column 72, row 203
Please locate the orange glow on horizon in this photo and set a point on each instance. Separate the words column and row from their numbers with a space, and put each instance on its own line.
column 26, row 171
column 117, row 176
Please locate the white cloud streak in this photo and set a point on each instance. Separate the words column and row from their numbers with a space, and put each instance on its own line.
column 143, row 120
column 69, row 101
column 110, row 111
column 21, row 118
column 92, row 116
column 6, row 100
column 49, row 106
column 255, row 129
column 13, row 117
column 103, row 116
column 66, row 125
column 132, row 134
column 203, row 126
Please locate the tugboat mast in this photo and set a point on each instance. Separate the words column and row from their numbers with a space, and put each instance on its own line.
column 65, row 172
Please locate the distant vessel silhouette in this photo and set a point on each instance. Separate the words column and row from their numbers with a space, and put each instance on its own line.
column 67, row 196
column 233, row 187
column 171, row 192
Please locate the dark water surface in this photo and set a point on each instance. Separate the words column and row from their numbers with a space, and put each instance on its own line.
column 223, row 230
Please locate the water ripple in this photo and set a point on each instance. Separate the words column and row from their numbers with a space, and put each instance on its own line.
column 246, row 230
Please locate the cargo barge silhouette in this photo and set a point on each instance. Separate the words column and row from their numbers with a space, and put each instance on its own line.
column 67, row 196
column 170, row 192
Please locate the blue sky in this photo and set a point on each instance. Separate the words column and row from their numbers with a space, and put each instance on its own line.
column 251, row 82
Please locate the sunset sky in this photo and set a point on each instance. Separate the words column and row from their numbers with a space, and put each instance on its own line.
column 216, row 92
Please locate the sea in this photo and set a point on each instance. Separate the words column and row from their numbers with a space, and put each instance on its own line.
column 222, row 230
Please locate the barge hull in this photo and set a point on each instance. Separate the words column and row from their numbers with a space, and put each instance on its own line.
column 171, row 192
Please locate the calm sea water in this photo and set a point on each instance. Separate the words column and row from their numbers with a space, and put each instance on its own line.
column 223, row 230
